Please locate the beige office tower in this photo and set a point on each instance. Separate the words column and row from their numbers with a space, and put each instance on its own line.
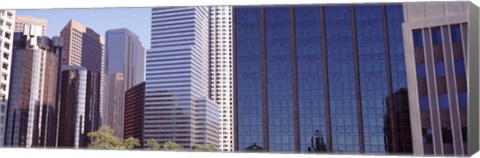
column 7, row 25
column 84, row 47
column 221, row 71
column 21, row 21
column 435, row 42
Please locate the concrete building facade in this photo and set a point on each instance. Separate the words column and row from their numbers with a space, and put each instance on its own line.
column 221, row 79
column 21, row 21
column 7, row 27
column 435, row 41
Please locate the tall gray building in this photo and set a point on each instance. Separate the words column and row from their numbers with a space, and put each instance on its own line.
column 177, row 105
column 435, row 41
column 125, row 56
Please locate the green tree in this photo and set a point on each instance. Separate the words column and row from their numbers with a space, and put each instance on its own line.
column 171, row 146
column 131, row 143
column 208, row 147
column 104, row 139
column 153, row 144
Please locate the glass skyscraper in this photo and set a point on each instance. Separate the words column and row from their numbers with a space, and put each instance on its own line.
column 177, row 103
column 31, row 117
column 304, row 71
column 79, row 110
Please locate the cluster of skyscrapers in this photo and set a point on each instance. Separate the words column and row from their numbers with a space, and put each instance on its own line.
column 363, row 78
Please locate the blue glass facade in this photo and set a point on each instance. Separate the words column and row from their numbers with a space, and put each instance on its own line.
column 309, row 56
column 279, row 79
column 336, row 64
column 249, row 77
column 341, row 76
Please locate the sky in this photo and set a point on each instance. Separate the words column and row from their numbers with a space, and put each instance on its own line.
column 98, row 19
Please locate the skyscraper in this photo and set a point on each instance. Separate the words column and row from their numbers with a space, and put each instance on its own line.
column 398, row 132
column 21, row 21
column 84, row 47
column 79, row 111
column 302, row 69
column 134, row 109
column 31, row 108
column 125, row 56
column 177, row 105
column 114, row 110
column 435, row 40
column 221, row 80
column 7, row 26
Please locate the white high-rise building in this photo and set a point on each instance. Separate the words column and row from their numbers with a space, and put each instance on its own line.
column 7, row 27
column 221, row 71
column 177, row 103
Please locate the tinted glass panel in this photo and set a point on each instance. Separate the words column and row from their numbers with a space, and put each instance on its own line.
column 424, row 103
column 436, row 36
column 440, row 69
column 443, row 101
column 421, row 71
column 459, row 67
column 417, row 39
column 462, row 100
column 456, row 34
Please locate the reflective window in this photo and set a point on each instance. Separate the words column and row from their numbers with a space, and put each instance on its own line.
column 443, row 101
column 427, row 136
column 341, row 72
column 447, row 135
column 421, row 71
column 424, row 103
column 249, row 77
column 417, row 38
column 459, row 67
column 310, row 75
column 279, row 79
column 436, row 36
column 456, row 34
column 373, row 74
column 462, row 100
column 440, row 69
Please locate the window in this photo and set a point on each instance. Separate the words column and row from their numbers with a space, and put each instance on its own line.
column 436, row 36
column 427, row 135
column 417, row 38
column 459, row 67
column 456, row 34
column 443, row 101
column 462, row 100
column 424, row 104
column 421, row 71
column 447, row 135
column 440, row 69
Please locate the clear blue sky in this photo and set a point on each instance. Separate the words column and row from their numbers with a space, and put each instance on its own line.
column 98, row 19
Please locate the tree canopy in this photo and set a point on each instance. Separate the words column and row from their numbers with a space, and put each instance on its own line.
column 105, row 139
column 171, row 146
column 153, row 144
column 208, row 147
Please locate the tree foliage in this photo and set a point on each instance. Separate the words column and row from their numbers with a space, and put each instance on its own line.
column 153, row 144
column 105, row 139
column 171, row 146
column 208, row 147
